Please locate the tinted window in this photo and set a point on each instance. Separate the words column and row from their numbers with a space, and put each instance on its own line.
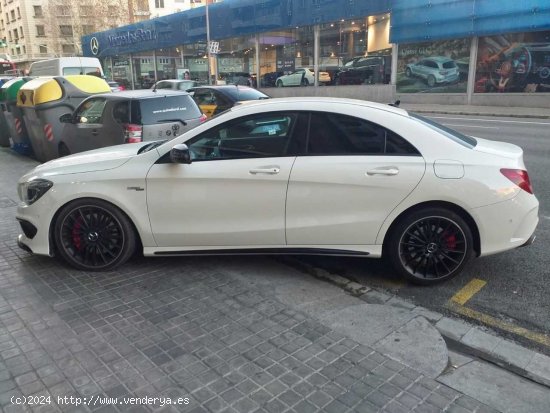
column 164, row 85
column 434, row 65
column 164, row 108
column 456, row 136
column 121, row 112
column 332, row 134
column 91, row 111
column 258, row 136
column 449, row 65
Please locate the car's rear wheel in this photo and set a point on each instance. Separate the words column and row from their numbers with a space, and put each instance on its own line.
column 430, row 245
column 94, row 235
column 305, row 82
column 279, row 83
column 431, row 80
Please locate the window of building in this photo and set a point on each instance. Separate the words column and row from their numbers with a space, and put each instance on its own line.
column 15, row 34
column 159, row 4
column 63, row 10
column 66, row 30
column 37, row 11
column 43, row 49
column 24, row 50
column 67, row 48
column 12, row 15
column 40, row 31
column 86, row 11
column 9, row 36
column 21, row 33
column 2, row 24
column 87, row 28
column 18, row 13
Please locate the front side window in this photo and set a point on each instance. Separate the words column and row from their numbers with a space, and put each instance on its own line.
column 335, row 134
column 257, row 136
column 90, row 111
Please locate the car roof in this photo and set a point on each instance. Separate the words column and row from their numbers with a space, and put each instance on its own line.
column 221, row 87
column 143, row 94
column 322, row 100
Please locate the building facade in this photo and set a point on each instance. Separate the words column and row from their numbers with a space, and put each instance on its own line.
column 447, row 51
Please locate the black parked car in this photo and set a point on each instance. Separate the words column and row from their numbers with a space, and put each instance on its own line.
column 365, row 70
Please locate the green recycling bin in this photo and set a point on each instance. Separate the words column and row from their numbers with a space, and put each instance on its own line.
column 4, row 131
column 14, row 116
column 44, row 99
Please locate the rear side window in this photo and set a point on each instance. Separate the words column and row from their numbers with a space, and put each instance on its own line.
column 449, row 65
column 334, row 134
column 456, row 136
column 163, row 109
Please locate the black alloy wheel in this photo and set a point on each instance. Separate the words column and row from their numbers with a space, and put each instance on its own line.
column 430, row 246
column 93, row 235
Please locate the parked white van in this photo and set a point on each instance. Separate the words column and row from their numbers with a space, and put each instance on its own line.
column 63, row 66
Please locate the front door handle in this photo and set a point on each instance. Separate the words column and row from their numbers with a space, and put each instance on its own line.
column 268, row 171
column 95, row 133
column 392, row 170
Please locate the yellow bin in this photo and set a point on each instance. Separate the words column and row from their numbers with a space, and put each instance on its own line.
column 43, row 100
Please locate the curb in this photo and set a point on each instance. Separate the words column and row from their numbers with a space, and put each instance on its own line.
column 468, row 338
column 470, row 113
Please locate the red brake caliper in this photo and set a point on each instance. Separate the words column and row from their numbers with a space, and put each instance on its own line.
column 451, row 241
column 76, row 234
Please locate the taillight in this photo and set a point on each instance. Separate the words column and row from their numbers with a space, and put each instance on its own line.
column 203, row 118
column 133, row 133
column 520, row 177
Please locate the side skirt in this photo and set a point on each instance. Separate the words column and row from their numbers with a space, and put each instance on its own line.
column 268, row 251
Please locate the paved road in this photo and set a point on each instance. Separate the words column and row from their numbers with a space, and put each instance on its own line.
column 517, row 288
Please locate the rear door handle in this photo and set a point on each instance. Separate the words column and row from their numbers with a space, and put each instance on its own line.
column 392, row 170
column 95, row 133
column 268, row 171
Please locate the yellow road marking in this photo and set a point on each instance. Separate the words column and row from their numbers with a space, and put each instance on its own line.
column 503, row 325
column 468, row 291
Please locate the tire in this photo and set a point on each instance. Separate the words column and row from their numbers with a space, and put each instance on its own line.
column 279, row 83
column 431, row 81
column 305, row 82
column 93, row 235
column 408, row 72
column 63, row 150
column 430, row 245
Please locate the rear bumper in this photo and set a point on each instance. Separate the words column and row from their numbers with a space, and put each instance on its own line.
column 529, row 241
column 507, row 225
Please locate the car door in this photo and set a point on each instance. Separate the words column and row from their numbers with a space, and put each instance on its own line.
column 234, row 191
column 295, row 79
column 352, row 176
column 84, row 133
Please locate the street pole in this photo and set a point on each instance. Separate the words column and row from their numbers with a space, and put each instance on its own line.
column 208, row 43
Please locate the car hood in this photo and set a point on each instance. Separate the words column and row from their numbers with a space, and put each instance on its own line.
column 101, row 159
column 506, row 150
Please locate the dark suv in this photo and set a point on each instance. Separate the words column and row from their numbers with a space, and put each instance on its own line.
column 365, row 70
column 128, row 117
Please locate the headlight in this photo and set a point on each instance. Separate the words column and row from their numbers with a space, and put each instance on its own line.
column 31, row 191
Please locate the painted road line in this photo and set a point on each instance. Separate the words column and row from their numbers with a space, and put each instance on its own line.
column 500, row 324
column 491, row 120
column 471, row 126
column 468, row 291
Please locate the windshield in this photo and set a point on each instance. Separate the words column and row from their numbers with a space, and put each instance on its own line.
column 452, row 134
column 240, row 94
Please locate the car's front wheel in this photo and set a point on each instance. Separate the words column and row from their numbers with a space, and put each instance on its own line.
column 431, row 80
column 279, row 83
column 408, row 72
column 93, row 235
column 430, row 245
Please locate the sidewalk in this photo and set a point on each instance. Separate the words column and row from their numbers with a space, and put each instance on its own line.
column 497, row 111
column 236, row 334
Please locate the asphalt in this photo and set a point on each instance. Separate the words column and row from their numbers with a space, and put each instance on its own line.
column 240, row 334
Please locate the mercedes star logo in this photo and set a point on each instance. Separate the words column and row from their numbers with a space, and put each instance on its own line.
column 94, row 45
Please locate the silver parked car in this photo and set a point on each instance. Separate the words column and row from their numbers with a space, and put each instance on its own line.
column 176, row 84
column 128, row 117
column 434, row 70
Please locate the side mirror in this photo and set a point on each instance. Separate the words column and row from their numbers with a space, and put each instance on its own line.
column 66, row 118
column 180, row 154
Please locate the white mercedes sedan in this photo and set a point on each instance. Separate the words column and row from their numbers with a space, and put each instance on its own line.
column 287, row 176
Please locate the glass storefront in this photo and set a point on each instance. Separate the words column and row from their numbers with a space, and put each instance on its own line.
column 236, row 61
column 436, row 67
column 513, row 63
column 144, row 70
column 121, row 71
